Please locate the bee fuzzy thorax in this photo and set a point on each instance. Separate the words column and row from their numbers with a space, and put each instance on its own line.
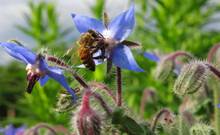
column 90, row 43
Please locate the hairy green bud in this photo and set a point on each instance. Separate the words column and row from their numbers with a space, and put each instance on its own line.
column 193, row 76
column 164, row 69
column 201, row 129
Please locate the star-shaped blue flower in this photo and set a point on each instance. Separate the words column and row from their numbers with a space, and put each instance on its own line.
column 37, row 68
column 118, row 30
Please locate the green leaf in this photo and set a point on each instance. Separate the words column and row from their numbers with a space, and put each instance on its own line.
column 117, row 116
column 98, row 8
column 130, row 126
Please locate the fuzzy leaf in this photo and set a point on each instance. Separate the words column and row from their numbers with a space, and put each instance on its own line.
column 131, row 126
column 117, row 116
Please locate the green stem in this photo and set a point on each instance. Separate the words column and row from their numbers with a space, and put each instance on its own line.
column 157, row 117
column 216, row 86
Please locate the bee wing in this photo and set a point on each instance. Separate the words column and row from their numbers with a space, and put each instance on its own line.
column 131, row 44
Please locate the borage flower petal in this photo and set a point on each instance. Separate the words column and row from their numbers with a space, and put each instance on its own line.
column 122, row 57
column 83, row 23
column 43, row 80
column 122, row 25
column 57, row 74
column 19, row 52
column 151, row 56
column 11, row 130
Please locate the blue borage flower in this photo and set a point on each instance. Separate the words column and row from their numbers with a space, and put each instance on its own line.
column 11, row 130
column 117, row 30
column 156, row 58
column 37, row 68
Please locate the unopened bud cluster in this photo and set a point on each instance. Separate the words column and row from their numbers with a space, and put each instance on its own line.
column 193, row 76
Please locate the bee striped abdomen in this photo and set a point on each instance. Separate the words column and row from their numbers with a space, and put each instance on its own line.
column 84, row 51
column 86, row 58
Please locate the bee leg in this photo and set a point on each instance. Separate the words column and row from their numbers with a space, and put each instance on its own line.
column 103, row 53
column 99, row 57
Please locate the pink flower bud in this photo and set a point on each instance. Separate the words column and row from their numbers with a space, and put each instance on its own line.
column 87, row 122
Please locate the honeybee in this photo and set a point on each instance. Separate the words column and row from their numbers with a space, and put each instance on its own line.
column 90, row 43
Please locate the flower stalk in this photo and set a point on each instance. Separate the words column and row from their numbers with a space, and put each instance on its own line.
column 99, row 98
column 176, row 54
column 119, row 86
column 103, row 87
column 160, row 114
column 35, row 129
column 66, row 67
column 147, row 95
column 216, row 87
column 212, row 52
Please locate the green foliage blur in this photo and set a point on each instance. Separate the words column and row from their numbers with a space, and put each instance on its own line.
column 162, row 25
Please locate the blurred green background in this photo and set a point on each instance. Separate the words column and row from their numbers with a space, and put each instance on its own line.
column 164, row 25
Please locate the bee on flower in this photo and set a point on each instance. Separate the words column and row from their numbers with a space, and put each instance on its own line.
column 107, row 41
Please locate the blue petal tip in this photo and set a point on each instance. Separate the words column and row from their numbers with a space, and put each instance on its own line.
column 73, row 15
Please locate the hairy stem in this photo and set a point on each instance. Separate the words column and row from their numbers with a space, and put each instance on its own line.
column 103, row 87
column 62, row 65
column 102, row 103
column 119, row 86
column 214, row 70
column 146, row 94
column 157, row 117
column 176, row 54
column 35, row 129
column 214, row 84
column 216, row 92
column 85, row 99
column 212, row 52
column 56, row 61
column 80, row 80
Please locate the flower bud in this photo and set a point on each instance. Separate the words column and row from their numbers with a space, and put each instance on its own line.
column 65, row 101
column 193, row 76
column 87, row 122
column 164, row 69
